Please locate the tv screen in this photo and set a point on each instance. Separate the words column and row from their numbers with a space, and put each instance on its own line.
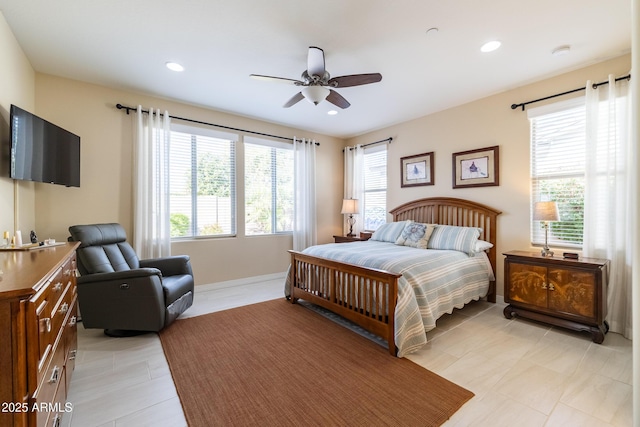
column 42, row 151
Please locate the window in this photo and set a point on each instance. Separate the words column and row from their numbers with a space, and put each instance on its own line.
column 558, row 169
column 375, row 187
column 202, row 182
column 268, row 177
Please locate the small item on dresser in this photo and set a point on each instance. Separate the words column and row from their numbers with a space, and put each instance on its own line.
column 365, row 235
column 570, row 255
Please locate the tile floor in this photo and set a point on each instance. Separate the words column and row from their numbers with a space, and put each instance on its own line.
column 522, row 373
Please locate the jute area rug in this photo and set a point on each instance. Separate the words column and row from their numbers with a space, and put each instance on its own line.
column 280, row 364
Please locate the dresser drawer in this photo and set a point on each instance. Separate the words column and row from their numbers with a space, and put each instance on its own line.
column 71, row 341
column 53, row 378
column 50, row 306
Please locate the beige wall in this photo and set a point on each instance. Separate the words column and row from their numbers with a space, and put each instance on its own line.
column 105, row 192
column 17, row 87
column 483, row 123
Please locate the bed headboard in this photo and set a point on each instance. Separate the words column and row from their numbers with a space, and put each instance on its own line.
column 452, row 211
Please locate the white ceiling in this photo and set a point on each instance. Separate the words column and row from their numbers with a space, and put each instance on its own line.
column 124, row 44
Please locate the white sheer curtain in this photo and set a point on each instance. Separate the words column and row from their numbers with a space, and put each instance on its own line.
column 610, row 192
column 354, row 183
column 305, row 228
column 151, row 227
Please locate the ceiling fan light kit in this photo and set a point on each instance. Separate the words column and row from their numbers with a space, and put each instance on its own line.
column 317, row 82
column 315, row 94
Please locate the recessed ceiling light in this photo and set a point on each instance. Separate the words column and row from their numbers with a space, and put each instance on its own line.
column 174, row 66
column 490, row 46
column 561, row 50
column 332, row 112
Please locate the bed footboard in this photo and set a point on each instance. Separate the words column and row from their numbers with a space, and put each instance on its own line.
column 365, row 296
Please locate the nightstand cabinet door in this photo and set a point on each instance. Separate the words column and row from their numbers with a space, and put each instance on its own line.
column 572, row 292
column 527, row 284
column 567, row 293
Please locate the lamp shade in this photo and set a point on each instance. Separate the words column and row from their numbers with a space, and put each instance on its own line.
column 350, row 206
column 315, row 94
column 546, row 211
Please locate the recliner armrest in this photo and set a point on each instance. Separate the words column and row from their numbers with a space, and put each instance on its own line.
column 137, row 273
column 170, row 266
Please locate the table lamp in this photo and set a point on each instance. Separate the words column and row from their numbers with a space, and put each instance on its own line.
column 545, row 212
column 350, row 206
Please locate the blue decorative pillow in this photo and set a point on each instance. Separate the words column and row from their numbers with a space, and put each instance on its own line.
column 389, row 231
column 451, row 237
column 416, row 235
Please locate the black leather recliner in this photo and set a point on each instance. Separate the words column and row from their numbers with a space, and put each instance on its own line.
column 121, row 294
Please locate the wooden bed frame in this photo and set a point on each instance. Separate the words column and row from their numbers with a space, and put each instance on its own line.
column 336, row 285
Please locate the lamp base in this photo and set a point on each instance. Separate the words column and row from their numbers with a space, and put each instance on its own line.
column 546, row 252
column 351, row 221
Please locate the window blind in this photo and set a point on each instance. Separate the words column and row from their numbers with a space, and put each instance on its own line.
column 375, row 187
column 268, row 170
column 558, row 169
column 202, row 182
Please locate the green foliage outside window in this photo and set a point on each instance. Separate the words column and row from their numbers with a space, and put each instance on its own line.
column 179, row 224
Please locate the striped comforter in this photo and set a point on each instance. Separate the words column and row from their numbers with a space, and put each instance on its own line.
column 433, row 282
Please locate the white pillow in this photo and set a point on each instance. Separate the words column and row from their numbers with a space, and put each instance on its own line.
column 482, row 245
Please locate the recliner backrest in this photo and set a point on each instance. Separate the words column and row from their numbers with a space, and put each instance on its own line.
column 103, row 249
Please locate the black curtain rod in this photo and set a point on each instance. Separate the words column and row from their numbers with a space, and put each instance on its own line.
column 372, row 143
column 124, row 107
column 595, row 85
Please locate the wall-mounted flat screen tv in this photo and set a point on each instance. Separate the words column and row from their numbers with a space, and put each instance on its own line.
column 42, row 151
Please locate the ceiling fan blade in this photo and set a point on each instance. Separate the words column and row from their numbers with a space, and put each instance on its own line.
column 315, row 62
column 294, row 100
column 338, row 100
column 355, row 80
column 275, row 79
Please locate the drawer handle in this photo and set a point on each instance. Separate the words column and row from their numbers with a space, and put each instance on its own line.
column 551, row 287
column 73, row 354
column 73, row 321
column 55, row 375
column 544, row 286
column 64, row 308
column 47, row 323
column 57, row 287
column 124, row 286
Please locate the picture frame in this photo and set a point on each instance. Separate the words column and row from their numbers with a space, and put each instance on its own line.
column 476, row 168
column 417, row 170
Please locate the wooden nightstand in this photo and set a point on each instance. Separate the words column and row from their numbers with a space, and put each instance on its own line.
column 570, row 293
column 346, row 239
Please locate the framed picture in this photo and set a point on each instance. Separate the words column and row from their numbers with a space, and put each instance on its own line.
column 416, row 170
column 476, row 168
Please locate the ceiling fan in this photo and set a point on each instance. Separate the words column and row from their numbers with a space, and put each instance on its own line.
column 317, row 83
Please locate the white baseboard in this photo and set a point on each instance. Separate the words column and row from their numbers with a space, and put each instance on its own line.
column 240, row 282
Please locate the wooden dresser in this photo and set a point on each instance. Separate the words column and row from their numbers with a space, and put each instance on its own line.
column 38, row 334
column 571, row 293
